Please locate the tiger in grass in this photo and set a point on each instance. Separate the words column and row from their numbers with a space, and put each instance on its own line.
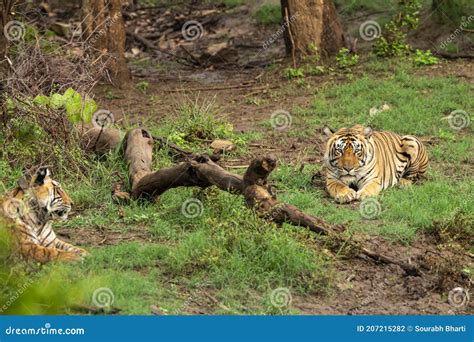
column 360, row 162
column 30, row 209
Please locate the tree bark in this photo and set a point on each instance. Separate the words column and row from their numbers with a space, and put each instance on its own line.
column 314, row 27
column 5, row 7
column 104, row 35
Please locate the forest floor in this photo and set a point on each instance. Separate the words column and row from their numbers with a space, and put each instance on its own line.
column 226, row 260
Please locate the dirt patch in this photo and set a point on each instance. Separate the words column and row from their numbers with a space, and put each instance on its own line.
column 101, row 236
column 367, row 288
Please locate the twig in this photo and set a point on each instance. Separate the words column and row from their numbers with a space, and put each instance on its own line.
column 238, row 86
column 148, row 44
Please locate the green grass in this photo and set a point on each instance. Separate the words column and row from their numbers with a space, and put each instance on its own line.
column 227, row 251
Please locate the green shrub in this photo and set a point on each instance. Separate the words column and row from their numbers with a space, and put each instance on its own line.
column 424, row 58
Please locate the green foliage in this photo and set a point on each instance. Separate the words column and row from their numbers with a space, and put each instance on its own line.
column 393, row 40
column 294, row 73
column 424, row 58
column 77, row 109
column 345, row 59
column 268, row 14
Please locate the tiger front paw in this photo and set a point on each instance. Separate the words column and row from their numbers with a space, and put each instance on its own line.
column 70, row 257
column 346, row 195
column 81, row 252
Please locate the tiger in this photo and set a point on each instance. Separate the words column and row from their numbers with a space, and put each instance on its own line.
column 30, row 209
column 361, row 162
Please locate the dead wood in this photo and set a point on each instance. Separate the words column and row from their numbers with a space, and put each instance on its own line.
column 100, row 140
column 138, row 148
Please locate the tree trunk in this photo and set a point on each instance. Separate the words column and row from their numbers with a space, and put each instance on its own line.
column 314, row 27
column 5, row 7
column 104, row 34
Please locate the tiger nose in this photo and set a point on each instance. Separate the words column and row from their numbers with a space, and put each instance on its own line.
column 347, row 168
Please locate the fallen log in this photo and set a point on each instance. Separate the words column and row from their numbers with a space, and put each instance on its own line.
column 203, row 172
column 100, row 140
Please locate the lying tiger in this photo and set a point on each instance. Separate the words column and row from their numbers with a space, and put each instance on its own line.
column 30, row 209
column 361, row 162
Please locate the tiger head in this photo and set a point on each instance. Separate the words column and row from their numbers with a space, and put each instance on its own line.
column 47, row 194
column 348, row 149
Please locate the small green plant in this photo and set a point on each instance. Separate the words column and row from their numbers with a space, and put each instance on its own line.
column 294, row 73
column 268, row 14
column 424, row 58
column 142, row 86
column 345, row 59
column 393, row 41
column 77, row 108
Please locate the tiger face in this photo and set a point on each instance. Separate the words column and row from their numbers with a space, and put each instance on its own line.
column 48, row 194
column 347, row 150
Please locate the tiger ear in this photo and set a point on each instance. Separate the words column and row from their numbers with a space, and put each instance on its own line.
column 41, row 174
column 329, row 132
column 368, row 131
column 24, row 183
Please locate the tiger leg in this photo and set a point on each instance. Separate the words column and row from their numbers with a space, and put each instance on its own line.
column 371, row 189
column 62, row 245
column 32, row 251
column 340, row 191
column 418, row 164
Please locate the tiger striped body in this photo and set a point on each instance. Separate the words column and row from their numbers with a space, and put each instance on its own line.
column 30, row 209
column 360, row 162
